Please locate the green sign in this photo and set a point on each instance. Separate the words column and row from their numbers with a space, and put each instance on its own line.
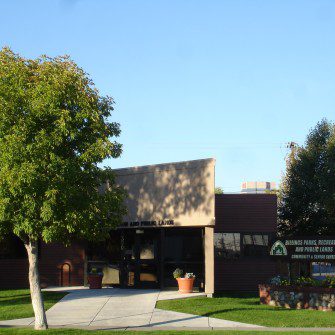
column 311, row 249
column 278, row 249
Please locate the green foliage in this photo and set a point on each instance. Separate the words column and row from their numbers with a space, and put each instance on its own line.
column 54, row 130
column 178, row 273
column 307, row 196
column 96, row 271
column 285, row 282
column 218, row 190
column 274, row 191
column 306, row 281
column 328, row 282
column 279, row 281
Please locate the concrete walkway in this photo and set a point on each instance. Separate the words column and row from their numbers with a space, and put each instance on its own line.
column 123, row 309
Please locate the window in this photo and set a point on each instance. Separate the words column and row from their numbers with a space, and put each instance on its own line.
column 255, row 245
column 183, row 245
column 236, row 245
column 322, row 270
column 227, row 245
column 147, row 247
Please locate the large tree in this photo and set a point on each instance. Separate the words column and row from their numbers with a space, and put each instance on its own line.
column 54, row 130
column 307, row 195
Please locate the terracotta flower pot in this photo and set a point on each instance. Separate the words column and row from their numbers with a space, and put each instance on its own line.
column 95, row 281
column 185, row 285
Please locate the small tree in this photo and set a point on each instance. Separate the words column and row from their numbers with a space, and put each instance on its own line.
column 307, row 195
column 53, row 133
column 218, row 190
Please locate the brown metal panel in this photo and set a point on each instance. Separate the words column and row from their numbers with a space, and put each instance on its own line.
column 242, row 275
column 249, row 213
column 245, row 213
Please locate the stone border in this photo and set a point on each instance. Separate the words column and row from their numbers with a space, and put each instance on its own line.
column 316, row 298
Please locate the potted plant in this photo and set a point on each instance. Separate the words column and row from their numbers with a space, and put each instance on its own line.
column 185, row 283
column 95, row 279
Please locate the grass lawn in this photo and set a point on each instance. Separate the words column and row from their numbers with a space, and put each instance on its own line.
column 15, row 304
column 25, row 331
column 246, row 308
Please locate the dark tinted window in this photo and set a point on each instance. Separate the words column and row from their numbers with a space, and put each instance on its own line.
column 183, row 245
column 255, row 245
column 227, row 245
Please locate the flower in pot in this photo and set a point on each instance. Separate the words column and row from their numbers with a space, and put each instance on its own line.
column 95, row 279
column 185, row 283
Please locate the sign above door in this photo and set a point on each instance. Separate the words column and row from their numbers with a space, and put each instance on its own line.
column 136, row 224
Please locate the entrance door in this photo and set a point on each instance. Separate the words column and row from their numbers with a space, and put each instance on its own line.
column 140, row 268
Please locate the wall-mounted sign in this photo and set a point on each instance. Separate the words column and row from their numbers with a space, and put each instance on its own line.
column 278, row 249
column 136, row 224
column 305, row 249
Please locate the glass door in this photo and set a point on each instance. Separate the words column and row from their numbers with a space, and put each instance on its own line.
column 128, row 266
column 140, row 258
column 148, row 259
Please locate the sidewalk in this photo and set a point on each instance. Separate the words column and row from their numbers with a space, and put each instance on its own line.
column 124, row 309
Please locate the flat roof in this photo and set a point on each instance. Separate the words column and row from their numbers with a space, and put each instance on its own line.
column 164, row 166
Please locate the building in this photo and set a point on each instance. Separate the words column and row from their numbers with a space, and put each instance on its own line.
column 258, row 186
column 174, row 220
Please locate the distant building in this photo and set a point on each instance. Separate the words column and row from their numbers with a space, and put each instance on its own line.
column 257, row 186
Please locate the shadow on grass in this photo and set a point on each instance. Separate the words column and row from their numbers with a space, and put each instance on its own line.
column 4, row 297
column 25, row 299
column 14, row 301
column 240, row 295
column 229, row 310
column 251, row 303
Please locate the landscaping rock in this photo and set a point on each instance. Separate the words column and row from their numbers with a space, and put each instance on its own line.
column 298, row 297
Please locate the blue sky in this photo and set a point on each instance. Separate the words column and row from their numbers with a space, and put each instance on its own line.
column 234, row 80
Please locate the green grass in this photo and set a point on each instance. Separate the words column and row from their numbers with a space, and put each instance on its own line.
column 25, row 331
column 15, row 304
column 246, row 308
column 243, row 308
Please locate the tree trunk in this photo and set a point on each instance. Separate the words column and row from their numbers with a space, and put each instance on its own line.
column 35, row 287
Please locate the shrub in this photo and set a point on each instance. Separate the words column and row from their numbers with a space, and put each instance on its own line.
column 279, row 281
column 305, row 281
column 329, row 282
column 177, row 273
column 96, row 271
